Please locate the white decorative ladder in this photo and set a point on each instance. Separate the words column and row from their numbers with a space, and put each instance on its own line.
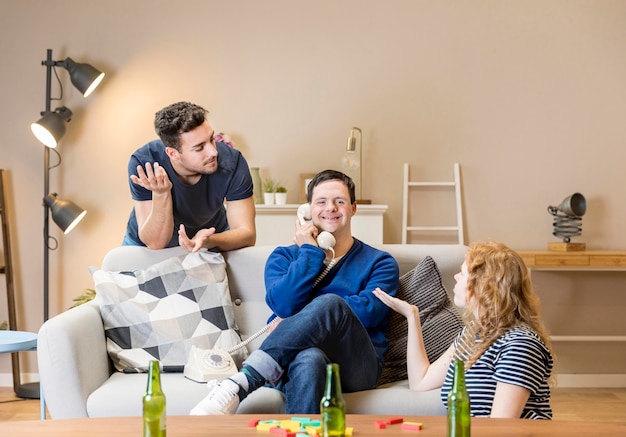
column 454, row 184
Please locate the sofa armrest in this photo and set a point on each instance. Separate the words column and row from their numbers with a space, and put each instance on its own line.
column 73, row 360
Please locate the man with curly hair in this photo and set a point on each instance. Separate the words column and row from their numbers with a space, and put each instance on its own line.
column 180, row 185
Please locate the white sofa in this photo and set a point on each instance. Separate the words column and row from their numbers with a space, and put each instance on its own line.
column 78, row 378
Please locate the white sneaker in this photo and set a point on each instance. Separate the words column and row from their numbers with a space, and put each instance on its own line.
column 222, row 399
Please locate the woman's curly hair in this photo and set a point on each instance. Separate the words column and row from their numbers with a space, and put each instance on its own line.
column 500, row 297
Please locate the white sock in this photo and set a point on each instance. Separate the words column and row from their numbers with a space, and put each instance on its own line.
column 241, row 379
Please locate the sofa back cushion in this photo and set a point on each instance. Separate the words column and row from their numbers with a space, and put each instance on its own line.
column 439, row 318
column 448, row 258
column 246, row 271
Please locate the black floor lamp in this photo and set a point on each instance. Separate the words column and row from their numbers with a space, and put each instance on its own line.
column 49, row 129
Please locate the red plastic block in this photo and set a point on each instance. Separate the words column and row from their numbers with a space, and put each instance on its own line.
column 395, row 420
column 253, row 423
column 380, row 424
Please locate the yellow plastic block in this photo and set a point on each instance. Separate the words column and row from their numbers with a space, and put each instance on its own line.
column 291, row 425
column 312, row 430
column 265, row 426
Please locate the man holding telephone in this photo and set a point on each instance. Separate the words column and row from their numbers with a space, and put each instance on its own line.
column 324, row 309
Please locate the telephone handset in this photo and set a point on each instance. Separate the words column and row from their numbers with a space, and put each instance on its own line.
column 325, row 239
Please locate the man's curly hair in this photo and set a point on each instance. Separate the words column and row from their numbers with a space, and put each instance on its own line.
column 175, row 119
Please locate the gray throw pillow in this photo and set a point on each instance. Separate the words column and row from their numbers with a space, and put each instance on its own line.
column 439, row 317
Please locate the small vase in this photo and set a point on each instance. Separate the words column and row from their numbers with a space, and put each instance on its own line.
column 281, row 198
column 256, row 185
column 269, row 198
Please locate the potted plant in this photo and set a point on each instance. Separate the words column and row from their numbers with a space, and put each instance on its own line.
column 281, row 195
column 269, row 191
column 88, row 295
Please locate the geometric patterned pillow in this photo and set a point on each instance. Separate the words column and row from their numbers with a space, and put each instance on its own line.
column 439, row 318
column 161, row 311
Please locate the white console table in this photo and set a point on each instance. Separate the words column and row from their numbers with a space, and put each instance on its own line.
column 276, row 224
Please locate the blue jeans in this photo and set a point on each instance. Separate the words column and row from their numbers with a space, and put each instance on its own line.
column 294, row 356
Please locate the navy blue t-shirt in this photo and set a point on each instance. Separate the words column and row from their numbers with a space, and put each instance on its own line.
column 199, row 206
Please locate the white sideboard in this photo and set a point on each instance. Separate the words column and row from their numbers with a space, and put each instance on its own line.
column 276, row 224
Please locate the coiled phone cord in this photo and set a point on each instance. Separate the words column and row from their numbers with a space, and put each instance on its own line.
column 257, row 334
column 263, row 330
column 330, row 265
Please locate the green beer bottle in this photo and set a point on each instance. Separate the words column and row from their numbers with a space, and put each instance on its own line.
column 332, row 406
column 154, row 404
column 458, row 404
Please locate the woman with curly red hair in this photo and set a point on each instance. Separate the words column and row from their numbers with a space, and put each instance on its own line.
column 506, row 349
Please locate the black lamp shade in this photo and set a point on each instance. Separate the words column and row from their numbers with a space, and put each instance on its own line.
column 51, row 127
column 65, row 213
column 574, row 205
column 84, row 77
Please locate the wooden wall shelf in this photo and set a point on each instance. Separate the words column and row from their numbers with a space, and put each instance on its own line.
column 602, row 260
column 582, row 261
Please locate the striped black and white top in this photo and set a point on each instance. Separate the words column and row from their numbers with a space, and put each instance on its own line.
column 518, row 357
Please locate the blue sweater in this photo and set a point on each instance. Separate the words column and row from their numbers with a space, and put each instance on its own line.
column 290, row 272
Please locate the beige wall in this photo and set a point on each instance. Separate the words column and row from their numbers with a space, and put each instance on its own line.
column 529, row 96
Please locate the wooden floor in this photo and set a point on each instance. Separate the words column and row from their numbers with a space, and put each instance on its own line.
column 586, row 404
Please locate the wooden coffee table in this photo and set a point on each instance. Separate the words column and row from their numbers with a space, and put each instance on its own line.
column 363, row 425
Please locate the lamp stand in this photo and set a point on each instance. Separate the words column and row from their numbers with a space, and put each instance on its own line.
column 49, row 130
column 49, row 63
column 46, row 235
column 360, row 200
column 32, row 390
column 351, row 147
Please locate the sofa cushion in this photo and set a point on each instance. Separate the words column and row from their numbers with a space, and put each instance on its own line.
column 161, row 311
column 121, row 394
column 396, row 399
column 439, row 318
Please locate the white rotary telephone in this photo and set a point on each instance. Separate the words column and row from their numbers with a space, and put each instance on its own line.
column 207, row 364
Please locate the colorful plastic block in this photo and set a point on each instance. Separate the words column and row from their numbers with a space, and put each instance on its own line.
column 266, row 426
column 413, row 426
column 290, row 424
